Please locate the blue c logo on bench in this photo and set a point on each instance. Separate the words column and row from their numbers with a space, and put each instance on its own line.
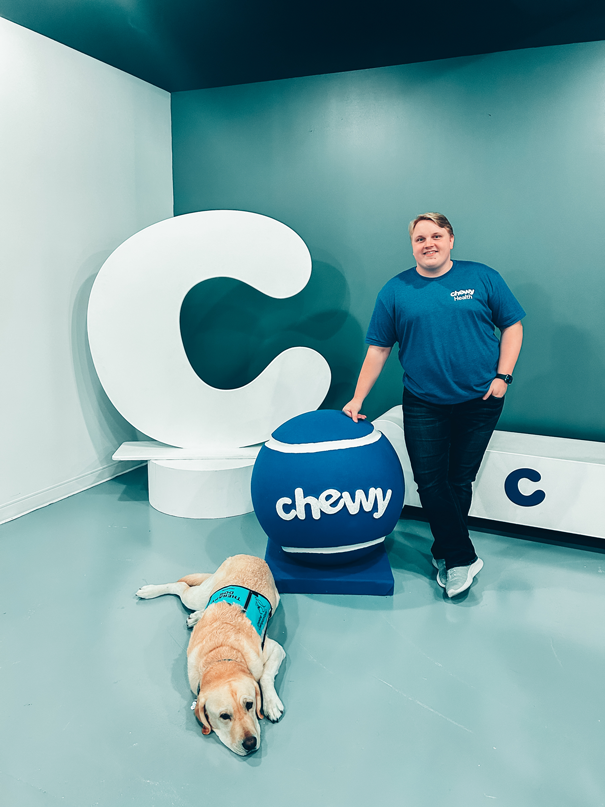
column 511, row 488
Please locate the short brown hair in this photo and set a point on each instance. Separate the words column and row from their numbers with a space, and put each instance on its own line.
column 437, row 218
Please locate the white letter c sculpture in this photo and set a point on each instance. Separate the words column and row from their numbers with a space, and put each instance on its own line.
column 136, row 345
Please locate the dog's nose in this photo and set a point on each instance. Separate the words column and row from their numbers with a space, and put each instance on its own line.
column 249, row 743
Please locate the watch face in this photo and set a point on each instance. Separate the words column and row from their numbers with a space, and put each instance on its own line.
column 508, row 379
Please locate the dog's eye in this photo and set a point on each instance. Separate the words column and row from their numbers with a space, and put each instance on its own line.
column 249, row 705
column 225, row 716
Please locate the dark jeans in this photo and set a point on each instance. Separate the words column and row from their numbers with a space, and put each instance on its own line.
column 446, row 444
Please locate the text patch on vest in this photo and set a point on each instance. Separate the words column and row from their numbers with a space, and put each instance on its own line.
column 256, row 607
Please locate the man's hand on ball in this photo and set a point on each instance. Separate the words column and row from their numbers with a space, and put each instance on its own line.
column 352, row 410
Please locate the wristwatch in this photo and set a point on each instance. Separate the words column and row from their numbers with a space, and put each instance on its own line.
column 505, row 377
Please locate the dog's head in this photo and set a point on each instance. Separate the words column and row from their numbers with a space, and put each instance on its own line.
column 231, row 707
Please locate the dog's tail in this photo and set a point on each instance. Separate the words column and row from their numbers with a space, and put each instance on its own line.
column 194, row 579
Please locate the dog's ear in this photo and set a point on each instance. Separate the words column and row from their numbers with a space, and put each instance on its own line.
column 258, row 701
column 200, row 713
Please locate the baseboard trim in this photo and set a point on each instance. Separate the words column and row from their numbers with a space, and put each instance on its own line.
column 42, row 498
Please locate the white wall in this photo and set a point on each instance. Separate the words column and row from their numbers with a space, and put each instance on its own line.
column 85, row 161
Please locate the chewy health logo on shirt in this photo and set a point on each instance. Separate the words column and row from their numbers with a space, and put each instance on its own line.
column 465, row 294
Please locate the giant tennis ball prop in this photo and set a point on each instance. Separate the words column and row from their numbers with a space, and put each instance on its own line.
column 327, row 490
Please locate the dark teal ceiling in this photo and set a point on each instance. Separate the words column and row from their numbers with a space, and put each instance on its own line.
column 193, row 44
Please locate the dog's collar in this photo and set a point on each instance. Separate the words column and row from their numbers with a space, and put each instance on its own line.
column 256, row 607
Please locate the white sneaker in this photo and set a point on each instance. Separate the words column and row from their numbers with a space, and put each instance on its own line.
column 459, row 578
column 441, row 571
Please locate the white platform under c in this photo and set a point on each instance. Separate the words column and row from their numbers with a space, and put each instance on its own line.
column 201, row 488
column 184, row 484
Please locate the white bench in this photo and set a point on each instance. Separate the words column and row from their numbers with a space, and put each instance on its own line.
column 528, row 479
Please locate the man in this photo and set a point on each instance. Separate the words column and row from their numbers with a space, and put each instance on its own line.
column 443, row 313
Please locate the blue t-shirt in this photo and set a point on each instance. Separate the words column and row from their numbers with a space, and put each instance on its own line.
column 445, row 329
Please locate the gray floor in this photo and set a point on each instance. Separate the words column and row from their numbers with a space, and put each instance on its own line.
column 497, row 697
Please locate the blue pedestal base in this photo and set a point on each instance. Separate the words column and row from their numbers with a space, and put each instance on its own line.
column 369, row 575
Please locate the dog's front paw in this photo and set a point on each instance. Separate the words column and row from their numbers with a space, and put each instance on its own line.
column 273, row 708
column 194, row 618
column 147, row 592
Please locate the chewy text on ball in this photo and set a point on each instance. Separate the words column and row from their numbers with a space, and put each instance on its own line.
column 331, row 501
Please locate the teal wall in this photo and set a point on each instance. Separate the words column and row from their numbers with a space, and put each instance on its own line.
column 510, row 146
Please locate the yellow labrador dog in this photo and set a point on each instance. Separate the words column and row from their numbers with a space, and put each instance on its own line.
column 229, row 655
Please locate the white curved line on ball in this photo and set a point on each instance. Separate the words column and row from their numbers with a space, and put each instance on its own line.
column 330, row 550
column 328, row 445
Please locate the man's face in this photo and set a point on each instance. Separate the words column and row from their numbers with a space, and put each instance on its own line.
column 431, row 246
